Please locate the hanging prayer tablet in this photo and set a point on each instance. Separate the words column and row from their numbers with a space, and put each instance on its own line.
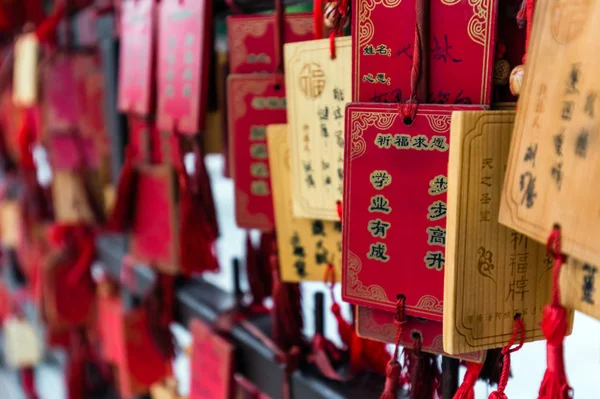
column 305, row 246
column 578, row 287
column 155, row 235
column 211, row 364
column 252, row 40
column 379, row 325
column 462, row 44
column 22, row 343
column 492, row 273
column 395, row 209
column 554, row 165
column 138, row 24
column 254, row 101
column 10, row 223
column 318, row 90
column 25, row 78
column 71, row 202
column 60, row 112
column 184, row 43
column 69, row 152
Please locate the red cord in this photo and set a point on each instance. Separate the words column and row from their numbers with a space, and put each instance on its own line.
column 279, row 39
column 553, row 247
column 399, row 320
column 519, row 329
column 318, row 18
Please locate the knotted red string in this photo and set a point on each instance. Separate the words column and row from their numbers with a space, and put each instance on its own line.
column 555, row 325
column 525, row 16
column 519, row 330
column 279, row 35
column 28, row 382
column 318, row 19
column 467, row 388
column 47, row 28
column 338, row 206
column 393, row 369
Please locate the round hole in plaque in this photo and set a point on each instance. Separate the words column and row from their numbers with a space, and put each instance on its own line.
column 277, row 86
column 400, row 296
column 408, row 121
column 416, row 336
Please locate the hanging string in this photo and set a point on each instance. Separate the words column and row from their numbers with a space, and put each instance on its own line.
column 279, row 35
column 525, row 17
column 394, row 369
column 318, row 19
column 519, row 330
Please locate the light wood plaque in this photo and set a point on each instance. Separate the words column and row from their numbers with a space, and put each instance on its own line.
column 305, row 246
column 553, row 171
column 25, row 78
column 10, row 223
column 318, row 90
column 22, row 343
column 68, row 193
column 492, row 272
column 579, row 289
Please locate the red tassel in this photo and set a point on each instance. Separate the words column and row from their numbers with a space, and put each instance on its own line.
column 554, row 325
column 49, row 25
column 393, row 369
column 425, row 382
column 339, row 209
column 255, row 274
column 323, row 354
column 519, row 329
column 318, row 18
column 159, row 309
column 76, row 385
column 467, row 388
column 28, row 382
column 287, row 310
column 123, row 211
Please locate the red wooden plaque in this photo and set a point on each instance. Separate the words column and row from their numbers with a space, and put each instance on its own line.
column 110, row 315
column 394, row 230
column 155, row 235
column 254, row 101
column 252, row 40
column 379, row 325
column 89, row 80
column 69, row 152
column 184, row 42
column 138, row 23
column 461, row 58
column 211, row 364
column 149, row 144
column 61, row 111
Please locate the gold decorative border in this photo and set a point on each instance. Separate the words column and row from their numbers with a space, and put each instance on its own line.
column 366, row 27
column 354, row 287
column 300, row 25
column 361, row 121
column 429, row 302
column 240, row 88
column 246, row 219
column 439, row 123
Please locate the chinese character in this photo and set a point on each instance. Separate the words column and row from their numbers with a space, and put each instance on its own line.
column 383, row 140
column 581, row 143
column 378, row 228
column 369, row 50
column 419, row 142
column 557, row 174
column 324, row 131
column 321, row 254
column 443, row 53
column 339, row 137
column 258, row 133
column 382, row 79
column 300, row 266
column 380, row 179
column 486, row 181
column 486, row 198
column 323, row 113
column 558, row 142
column 487, row 163
column 435, row 260
column 337, row 226
column 588, row 284
column 377, row 252
column 295, row 240
column 310, row 181
column 405, row 51
column 338, row 94
column 459, row 99
column 516, row 240
column 438, row 143
column 368, row 78
column 317, row 228
column 337, row 113
column 259, row 187
column 573, row 81
column 340, row 173
column 383, row 50
column 437, row 236
column 307, row 167
column 401, row 141
column 438, row 185
column 327, row 180
column 258, row 151
column 531, row 153
column 527, row 187
column 590, row 102
column 437, row 210
column 259, row 169
column 567, row 111
column 485, row 215
column 380, row 204
column 517, row 287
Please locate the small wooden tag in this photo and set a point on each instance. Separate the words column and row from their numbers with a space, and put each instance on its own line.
column 25, row 79
column 306, row 246
column 22, row 344
column 553, row 171
column 164, row 390
column 379, row 325
column 318, row 91
column 10, row 223
column 70, row 201
column 492, row 273
column 578, row 287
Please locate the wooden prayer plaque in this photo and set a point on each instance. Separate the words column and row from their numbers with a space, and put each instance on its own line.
column 22, row 343
column 155, row 235
column 25, row 78
column 394, row 204
column 254, row 101
column 60, row 112
column 251, row 40
column 10, row 223
column 492, row 272
column 211, row 364
column 578, row 287
column 306, row 246
column 184, row 43
column 462, row 48
column 554, row 165
column 70, row 200
column 379, row 325
column 318, row 90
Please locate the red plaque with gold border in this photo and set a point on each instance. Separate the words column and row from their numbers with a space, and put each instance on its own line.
column 252, row 40
column 254, row 101
column 379, row 325
column 462, row 35
column 60, row 112
column 395, row 183
column 184, row 42
column 212, row 364
column 138, row 25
